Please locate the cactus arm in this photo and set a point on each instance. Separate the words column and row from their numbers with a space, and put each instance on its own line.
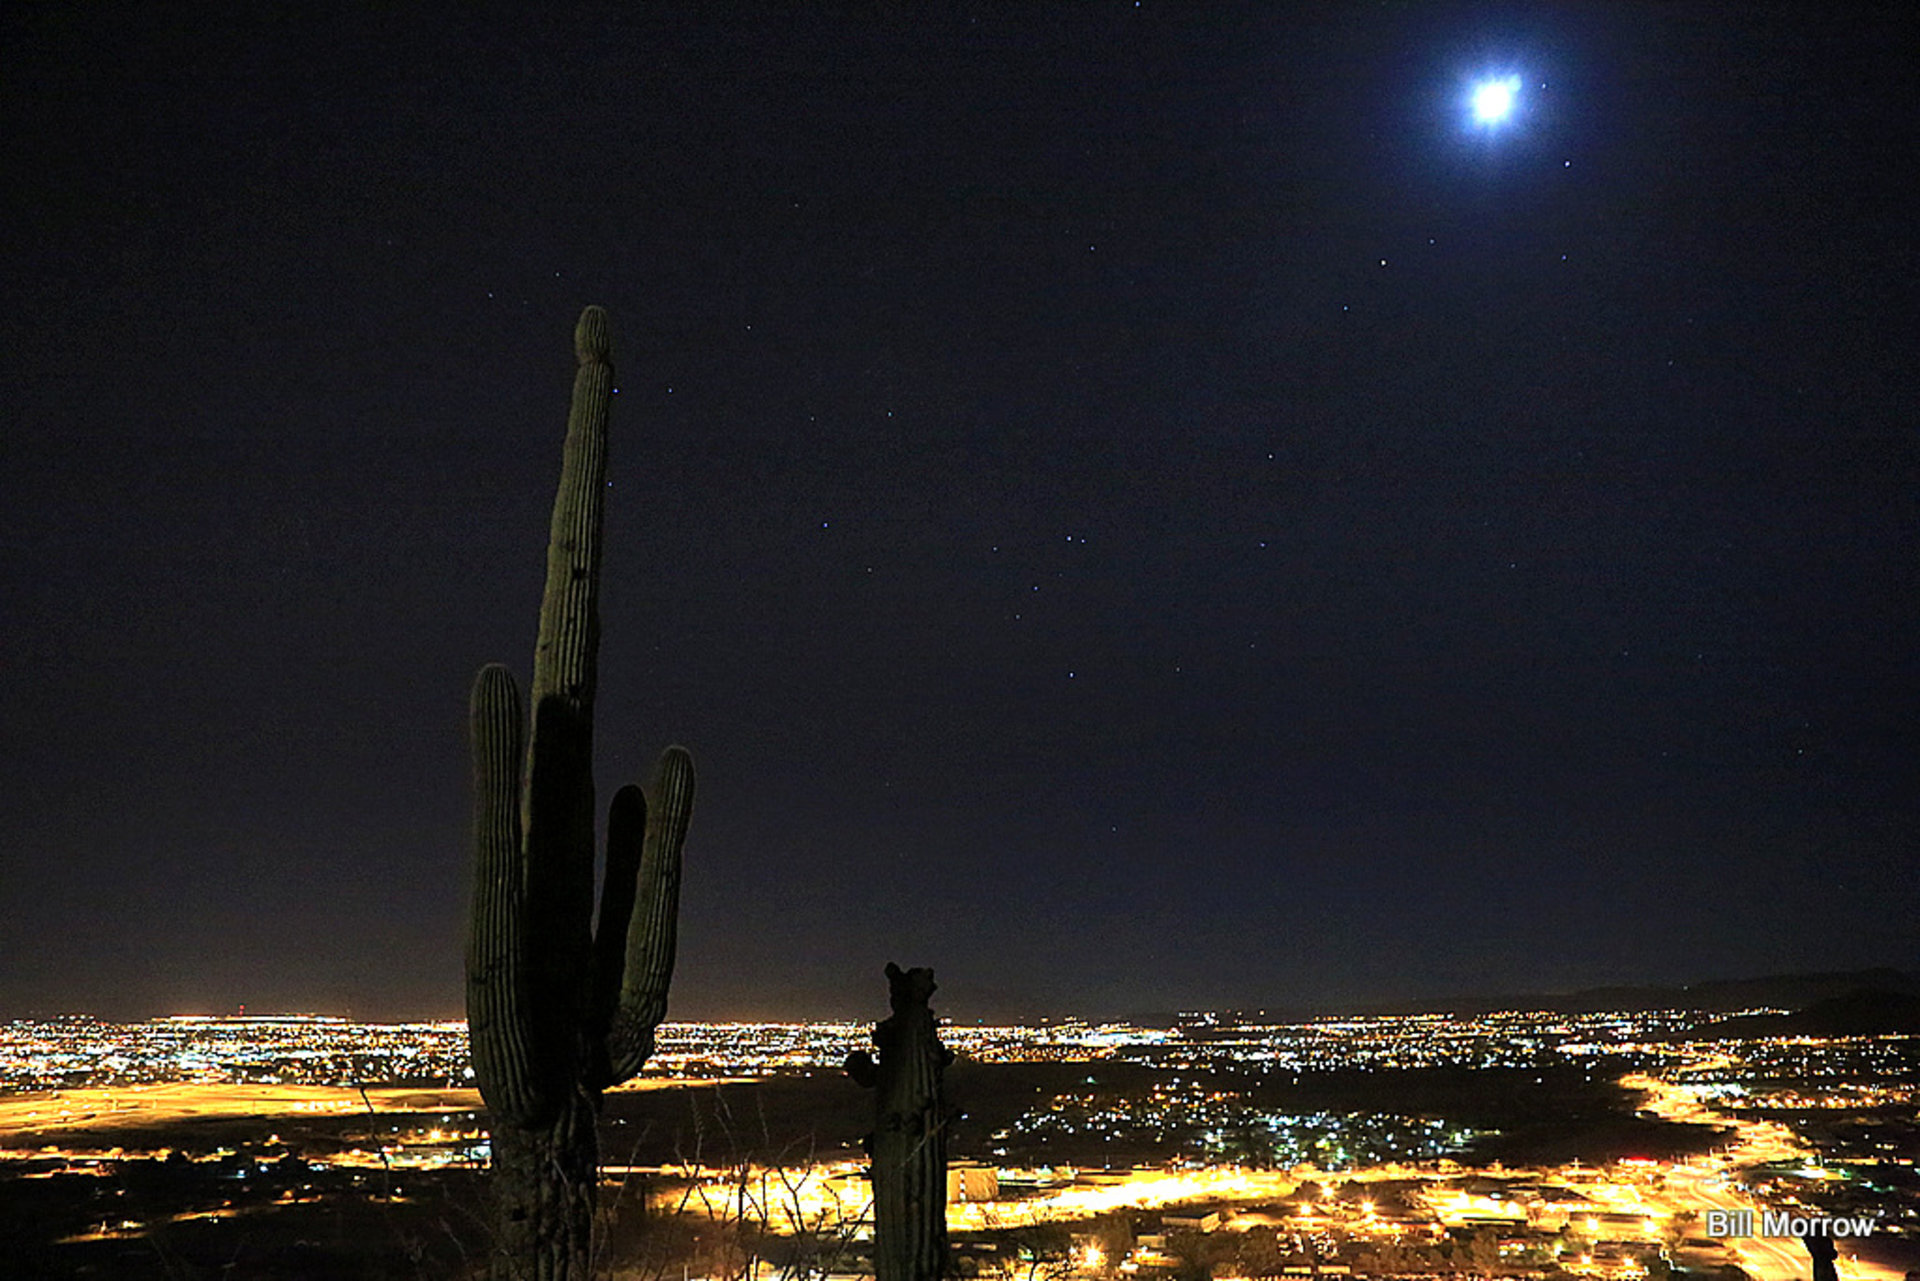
column 651, row 933
column 862, row 1069
column 499, row 1021
column 626, row 836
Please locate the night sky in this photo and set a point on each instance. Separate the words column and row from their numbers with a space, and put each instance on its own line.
column 1135, row 507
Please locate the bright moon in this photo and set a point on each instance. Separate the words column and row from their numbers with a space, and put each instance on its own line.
column 1493, row 100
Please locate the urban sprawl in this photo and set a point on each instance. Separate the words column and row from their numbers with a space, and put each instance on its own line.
column 1175, row 1152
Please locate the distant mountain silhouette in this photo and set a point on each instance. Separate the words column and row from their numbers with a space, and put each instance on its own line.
column 1861, row 1013
column 1778, row 991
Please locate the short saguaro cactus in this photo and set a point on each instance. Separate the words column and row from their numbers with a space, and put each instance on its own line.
column 909, row 1143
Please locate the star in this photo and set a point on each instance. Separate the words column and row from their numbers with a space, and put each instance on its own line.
column 1493, row 100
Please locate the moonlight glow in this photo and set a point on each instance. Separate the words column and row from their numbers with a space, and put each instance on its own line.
column 1493, row 100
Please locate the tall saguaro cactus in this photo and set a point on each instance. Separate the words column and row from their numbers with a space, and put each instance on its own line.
column 909, row 1132
column 559, row 1008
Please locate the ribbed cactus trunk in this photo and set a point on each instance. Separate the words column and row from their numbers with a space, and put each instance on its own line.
column 909, row 1143
column 557, row 1008
column 545, row 1180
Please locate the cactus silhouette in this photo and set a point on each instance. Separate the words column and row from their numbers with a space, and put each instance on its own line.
column 559, row 1008
column 909, row 1144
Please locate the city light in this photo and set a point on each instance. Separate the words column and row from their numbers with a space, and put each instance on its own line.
column 1204, row 1141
